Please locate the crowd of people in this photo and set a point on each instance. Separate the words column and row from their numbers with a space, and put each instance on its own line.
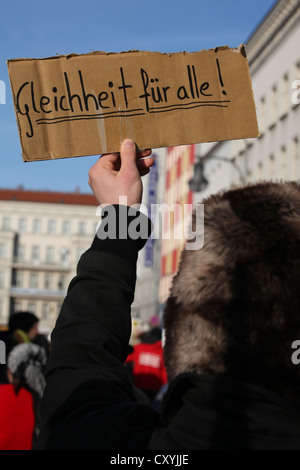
column 22, row 381
column 224, row 369
column 22, row 377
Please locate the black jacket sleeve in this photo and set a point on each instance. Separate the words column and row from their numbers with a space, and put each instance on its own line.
column 89, row 401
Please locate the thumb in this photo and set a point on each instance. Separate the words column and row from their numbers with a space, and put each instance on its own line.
column 128, row 156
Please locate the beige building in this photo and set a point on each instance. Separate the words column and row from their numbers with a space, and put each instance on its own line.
column 274, row 58
column 146, row 302
column 42, row 235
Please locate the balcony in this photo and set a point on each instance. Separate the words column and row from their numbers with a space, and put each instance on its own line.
column 41, row 265
column 37, row 294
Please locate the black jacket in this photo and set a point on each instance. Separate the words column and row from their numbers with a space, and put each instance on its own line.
column 89, row 402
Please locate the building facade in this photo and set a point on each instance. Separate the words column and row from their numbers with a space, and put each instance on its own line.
column 274, row 58
column 42, row 236
column 178, row 203
column 146, row 304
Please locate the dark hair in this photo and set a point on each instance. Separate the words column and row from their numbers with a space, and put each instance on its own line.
column 22, row 321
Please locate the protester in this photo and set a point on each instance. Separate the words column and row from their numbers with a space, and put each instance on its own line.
column 230, row 320
column 148, row 369
column 26, row 367
column 20, row 397
column 17, row 419
column 22, row 328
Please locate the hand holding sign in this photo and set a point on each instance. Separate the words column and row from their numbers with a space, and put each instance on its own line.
column 115, row 176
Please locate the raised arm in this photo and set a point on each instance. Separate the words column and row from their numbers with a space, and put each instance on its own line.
column 88, row 392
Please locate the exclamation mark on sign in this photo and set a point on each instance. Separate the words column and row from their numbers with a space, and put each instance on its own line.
column 220, row 77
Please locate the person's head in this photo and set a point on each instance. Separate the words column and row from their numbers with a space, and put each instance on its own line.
column 234, row 306
column 26, row 322
column 25, row 367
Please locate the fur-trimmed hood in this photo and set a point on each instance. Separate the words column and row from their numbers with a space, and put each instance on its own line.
column 234, row 306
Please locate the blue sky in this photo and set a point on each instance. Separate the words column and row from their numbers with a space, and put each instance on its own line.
column 36, row 29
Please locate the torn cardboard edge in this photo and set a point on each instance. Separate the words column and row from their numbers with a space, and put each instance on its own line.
column 239, row 49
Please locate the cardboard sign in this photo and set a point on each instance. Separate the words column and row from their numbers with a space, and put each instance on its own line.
column 76, row 105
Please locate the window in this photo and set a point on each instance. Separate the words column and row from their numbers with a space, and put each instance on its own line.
column 272, row 166
column 20, row 252
column 285, row 94
column 64, row 255
column 17, row 306
column 1, row 279
column 19, row 278
column 48, row 279
column 273, row 105
column 262, row 114
column 32, row 307
column 283, row 162
column 61, row 282
column 51, row 226
column 6, row 223
column 33, row 280
column 50, row 254
column 45, row 311
column 260, row 172
column 35, row 253
column 82, row 228
column 65, row 227
column 22, row 225
column 36, row 227
column 3, row 250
